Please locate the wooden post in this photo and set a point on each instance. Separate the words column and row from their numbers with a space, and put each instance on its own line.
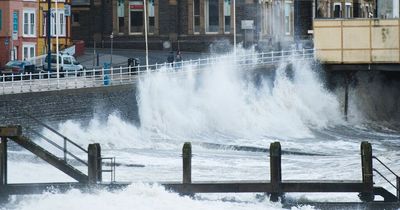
column 276, row 170
column 3, row 161
column 367, row 172
column 3, row 169
column 187, row 163
column 187, row 166
column 94, row 163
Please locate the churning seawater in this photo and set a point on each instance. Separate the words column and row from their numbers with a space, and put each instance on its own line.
column 224, row 105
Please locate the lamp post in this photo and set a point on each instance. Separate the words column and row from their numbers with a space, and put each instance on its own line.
column 234, row 26
column 48, row 21
column 57, row 18
column 145, row 34
column 111, row 38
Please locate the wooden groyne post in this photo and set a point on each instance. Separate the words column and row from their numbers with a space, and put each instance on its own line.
column 94, row 163
column 276, row 171
column 367, row 194
column 187, row 167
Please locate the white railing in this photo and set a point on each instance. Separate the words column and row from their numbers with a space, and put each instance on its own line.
column 127, row 75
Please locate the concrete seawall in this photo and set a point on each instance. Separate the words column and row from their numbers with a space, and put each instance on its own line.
column 74, row 104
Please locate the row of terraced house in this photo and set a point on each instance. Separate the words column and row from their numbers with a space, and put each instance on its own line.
column 23, row 28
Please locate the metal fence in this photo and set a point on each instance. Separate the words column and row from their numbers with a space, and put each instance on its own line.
column 10, row 84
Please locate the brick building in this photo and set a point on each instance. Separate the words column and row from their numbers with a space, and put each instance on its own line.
column 183, row 24
column 18, row 17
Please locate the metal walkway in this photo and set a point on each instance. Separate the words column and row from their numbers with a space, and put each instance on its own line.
column 25, row 83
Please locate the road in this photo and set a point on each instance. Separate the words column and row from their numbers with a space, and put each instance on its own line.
column 120, row 56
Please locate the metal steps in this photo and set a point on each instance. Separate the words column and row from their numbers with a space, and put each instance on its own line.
column 50, row 158
column 387, row 196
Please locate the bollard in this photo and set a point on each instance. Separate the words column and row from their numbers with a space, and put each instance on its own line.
column 94, row 163
column 187, row 168
column 367, row 176
column 276, row 171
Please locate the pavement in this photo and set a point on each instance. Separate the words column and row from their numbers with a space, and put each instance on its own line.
column 120, row 56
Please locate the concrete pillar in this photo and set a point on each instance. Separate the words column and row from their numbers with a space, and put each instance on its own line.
column 94, row 163
column 367, row 172
column 275, row 170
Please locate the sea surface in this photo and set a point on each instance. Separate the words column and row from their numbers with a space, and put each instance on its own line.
column 215, row 109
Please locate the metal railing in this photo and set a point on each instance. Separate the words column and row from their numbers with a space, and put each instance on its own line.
column 44, row 81
column 66, row 144
column 111, row 170
column 397, row 186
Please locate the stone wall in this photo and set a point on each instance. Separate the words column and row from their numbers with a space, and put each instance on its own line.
column 79, row 104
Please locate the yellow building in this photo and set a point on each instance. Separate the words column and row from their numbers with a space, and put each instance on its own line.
column 63, row 29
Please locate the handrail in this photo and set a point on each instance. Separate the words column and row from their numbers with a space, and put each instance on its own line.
column 397, row 187
column 55, row 132
column 112, row 167
column 57, row 146
column 385, row 178
column 376, row 158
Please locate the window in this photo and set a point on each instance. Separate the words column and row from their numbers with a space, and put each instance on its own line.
column 227, row 15
column 288, row 18
column 67, row 60
column 212, row 15
column 121, row 15
column 150, row 6
column 348, row 10
column 28, row 51
column 56, row 29
column 61, row 22
column 337, row 10
column 196, row 16
column 1, row 19
column 14, row 53
column 136, row 14
column 75, row 19
column 29, row 23
column 15, row 21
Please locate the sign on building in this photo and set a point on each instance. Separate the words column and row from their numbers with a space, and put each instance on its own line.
column 15, row 35
column 247, row 24
column 67, row 9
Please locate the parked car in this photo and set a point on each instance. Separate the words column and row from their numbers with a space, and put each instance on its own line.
column 17, row 67
column 67, row 65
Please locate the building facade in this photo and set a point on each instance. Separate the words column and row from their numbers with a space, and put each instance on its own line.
column 183, row 24
column 23, row 28
column 63, row 29
column 347, row 8
column 18, row 30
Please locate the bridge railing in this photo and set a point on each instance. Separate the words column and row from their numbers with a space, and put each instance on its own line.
column 44, row 81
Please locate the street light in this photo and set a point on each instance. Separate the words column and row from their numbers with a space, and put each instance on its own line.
column 111, row 37
column 234, row 25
